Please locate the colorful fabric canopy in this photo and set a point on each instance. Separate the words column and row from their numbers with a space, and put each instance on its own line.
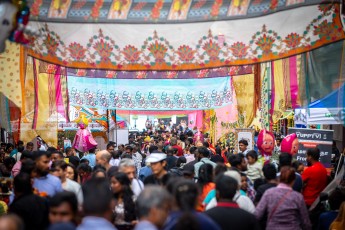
column 149, row 11
column 189, row 46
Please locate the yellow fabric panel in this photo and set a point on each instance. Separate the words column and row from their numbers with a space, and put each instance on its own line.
column 244, row 88
column 10, row 84
column 27, row 134
column 279, row 99
column 43, row 100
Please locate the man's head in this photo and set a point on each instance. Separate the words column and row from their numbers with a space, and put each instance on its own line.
column 99, row 198
column 110, row 147
column 313, row 155
column 285, row 159
column 103, row 158
column 56, row 156
column 226, row 187
column 278, row 141
column 30, row 146
column 242, row 145
column 153, row 205
column 127, row 166
column 270, row 172
column 11, row 222
column 63, row 207
column 129, row 149
column 84, row 170
column 238, row 161
column 173, row 141
column 158, row 163
column 70, row 151
column 42, row 160
column 121, row 147
column 20, row 143
column 22, row 184
column 203, row 152
column 152, row 148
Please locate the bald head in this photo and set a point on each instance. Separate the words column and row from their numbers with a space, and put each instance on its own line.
column 103, row 157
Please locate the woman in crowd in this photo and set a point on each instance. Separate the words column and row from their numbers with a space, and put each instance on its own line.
column 207, row 198
column 186, row 195
column 72, row 172
column 124, row 211
column 285, row 207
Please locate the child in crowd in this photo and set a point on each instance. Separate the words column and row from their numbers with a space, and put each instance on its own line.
column 254, row 167
column 244, row 184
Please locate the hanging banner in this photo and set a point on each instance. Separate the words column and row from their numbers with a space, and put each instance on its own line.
column 193, row 46
column 159, row 11
column 149, row 94
column 314, row 138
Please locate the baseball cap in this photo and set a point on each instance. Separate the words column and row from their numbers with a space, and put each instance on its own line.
column 156, row 157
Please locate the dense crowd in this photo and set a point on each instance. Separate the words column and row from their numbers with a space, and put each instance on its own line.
column 164, row 180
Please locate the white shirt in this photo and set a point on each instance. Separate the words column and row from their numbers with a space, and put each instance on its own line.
column 137, row 186
column 74, row 187
column 244, row 202
column 189, row 157
column 114, row 162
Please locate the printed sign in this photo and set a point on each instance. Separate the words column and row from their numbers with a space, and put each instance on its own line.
column 67, row 143
column 245, row 134
column 312, row 138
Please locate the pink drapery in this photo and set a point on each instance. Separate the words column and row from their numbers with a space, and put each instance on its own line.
column 195, row 119
column 293, row 81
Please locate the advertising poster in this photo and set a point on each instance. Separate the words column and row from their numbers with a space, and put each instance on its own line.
column 312, row 138
column 244, row 134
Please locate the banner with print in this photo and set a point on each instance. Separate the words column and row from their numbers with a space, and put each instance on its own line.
column 314, row 138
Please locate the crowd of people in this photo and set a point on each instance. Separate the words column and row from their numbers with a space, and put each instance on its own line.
column 163, row 181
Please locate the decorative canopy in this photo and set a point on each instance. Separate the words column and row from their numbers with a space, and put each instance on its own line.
column 152, row 11
column 189, row 46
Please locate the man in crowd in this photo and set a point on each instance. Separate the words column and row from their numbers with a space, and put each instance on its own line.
column 242, row 200
column 153, row 206
column 114, row 161
column 136, row 156
column 31, row 208
column 72, row 156
column 29, row 147
column 285, row 159
column 242, row 145
column 91, row 157
column 127, row 166
column 204, row 155
column 18, row 165
column 159, row 175
column 227, row 213
column 45, row 182
column 103, row 158
column 56, row 156
column 314, row 177
column 59, row 169
column 270, row 174
column 98, row 209
column 238, row 162
column 63, row 207
column 173, row 143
